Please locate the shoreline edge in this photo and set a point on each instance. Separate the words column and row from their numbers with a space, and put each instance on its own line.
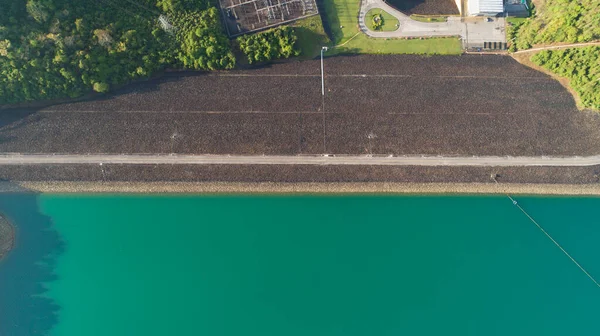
column 300, row 188
column 7, row 237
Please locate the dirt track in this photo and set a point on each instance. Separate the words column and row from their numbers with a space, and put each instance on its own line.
column 463, row 105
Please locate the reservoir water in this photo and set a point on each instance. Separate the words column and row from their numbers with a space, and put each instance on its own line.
column 128, row 265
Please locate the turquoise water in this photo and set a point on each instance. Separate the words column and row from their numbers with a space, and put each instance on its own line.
column 298, row 265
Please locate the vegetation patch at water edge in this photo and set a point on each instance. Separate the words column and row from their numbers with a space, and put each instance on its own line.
column 7, row 237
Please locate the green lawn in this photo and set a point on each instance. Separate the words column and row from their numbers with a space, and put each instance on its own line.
column 390, row 23
column 342, row 16
column 311, row 36
column 515, row 20
column 362, row 44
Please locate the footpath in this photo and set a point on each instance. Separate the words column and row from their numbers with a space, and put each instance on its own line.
column 563, row 46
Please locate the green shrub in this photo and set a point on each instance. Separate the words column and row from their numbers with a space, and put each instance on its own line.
column 377, row 21
column 269, row 45
column 101, row 87
column 581, row 66
column 202, row 43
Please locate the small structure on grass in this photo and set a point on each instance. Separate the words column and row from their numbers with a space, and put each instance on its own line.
column 517, row 8
column 377, row 21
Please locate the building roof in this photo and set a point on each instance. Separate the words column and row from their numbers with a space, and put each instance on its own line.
column 486, row 6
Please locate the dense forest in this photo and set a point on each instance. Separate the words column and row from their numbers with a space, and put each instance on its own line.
column 568, row 21
column 272, row 44
column 561, row 21
column 64, row 48
column 581, row 66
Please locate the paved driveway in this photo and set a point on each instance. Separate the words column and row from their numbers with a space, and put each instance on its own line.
column 473, row 31
column 477, row 31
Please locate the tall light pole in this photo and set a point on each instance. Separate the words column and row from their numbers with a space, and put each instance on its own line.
column 323, row 49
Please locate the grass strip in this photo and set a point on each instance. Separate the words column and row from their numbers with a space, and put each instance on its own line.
column 432, row 46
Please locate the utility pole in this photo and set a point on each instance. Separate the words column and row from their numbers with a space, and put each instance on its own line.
column 173, row 137
column 323, row 49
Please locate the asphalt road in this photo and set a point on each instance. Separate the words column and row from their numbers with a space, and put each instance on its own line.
column 176, row 159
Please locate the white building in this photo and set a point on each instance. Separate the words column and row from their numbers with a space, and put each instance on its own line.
column 485, row 7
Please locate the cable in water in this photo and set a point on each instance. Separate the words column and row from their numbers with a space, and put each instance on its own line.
column 515, row 203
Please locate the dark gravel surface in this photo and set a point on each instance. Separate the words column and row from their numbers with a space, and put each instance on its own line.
column 462, row 105
column 300, row 173
column 425, row 7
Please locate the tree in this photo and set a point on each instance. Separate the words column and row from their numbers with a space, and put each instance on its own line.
column 272, row 44
column 101, row 87
column 53, row 49
column 37, row 10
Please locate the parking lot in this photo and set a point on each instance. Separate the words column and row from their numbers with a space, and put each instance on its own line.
column 479, row 31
